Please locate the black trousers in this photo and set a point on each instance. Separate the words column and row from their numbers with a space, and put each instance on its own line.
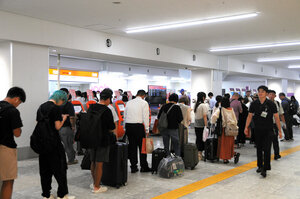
column 54, row 164
column 288, row 132
column 275, row 141
column 199, row 138
column 241, row 138
column 135, row 134
column 263, row 139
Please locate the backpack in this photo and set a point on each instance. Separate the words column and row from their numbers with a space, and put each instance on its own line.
column 43, row 139
column 231, row 128
column 292, row 108
column 91, row 135
column 163, row 120
column 219, row 127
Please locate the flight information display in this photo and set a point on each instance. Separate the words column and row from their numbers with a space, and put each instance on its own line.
column 157, row 94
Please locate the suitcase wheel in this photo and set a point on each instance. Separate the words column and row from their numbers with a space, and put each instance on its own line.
column 118, row 186
column 192, row 168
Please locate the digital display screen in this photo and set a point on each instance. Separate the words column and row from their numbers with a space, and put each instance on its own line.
column 157, row 94
column 121, row 107
column 77, row 108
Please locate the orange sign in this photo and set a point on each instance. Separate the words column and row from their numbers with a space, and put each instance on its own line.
column 74, row 73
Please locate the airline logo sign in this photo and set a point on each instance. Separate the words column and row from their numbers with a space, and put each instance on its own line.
column 74, row 73
column 74, row 76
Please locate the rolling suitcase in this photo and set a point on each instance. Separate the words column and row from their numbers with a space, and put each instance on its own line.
column 157, row 156
column 190, row 157
column 211, row 149
column 115, row 171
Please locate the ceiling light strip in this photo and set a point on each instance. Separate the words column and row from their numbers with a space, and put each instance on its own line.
column 294, row 66
column 190, row 23
column 255, row 46
column 278, row 59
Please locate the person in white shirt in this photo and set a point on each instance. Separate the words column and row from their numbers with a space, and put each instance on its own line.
column 248, row 95
column 212, row 101
column 136, row 116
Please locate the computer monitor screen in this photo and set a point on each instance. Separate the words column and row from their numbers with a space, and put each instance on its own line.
column 157, row 94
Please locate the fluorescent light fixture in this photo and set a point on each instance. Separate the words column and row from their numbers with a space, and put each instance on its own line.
column 160, row 77
column 190, row 23
column 254, row 46
column 278, row 59
column 294, row 66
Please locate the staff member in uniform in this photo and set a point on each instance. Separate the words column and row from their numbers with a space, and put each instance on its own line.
column 136, row 118
column 262, row 111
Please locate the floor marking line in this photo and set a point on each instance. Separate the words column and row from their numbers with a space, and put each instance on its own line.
column 190, row 188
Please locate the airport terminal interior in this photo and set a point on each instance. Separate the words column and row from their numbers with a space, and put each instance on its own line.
column 166, row 47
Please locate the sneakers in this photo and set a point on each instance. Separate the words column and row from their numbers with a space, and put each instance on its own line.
column 134, row 170
column 263, row 173
column 144, row 170
column 100, row 190
column 276, row 157
column 92, row 186
column 259, row 170
column 67, row 197
column 74, row 162
column 51, row 197
column 236, row 158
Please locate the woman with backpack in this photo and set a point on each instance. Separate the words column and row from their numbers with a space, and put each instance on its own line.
column 53, row 162
column 201, row 111
column 174, row 118
column 225, row 142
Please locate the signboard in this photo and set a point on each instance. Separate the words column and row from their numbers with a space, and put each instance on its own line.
column 74, row 76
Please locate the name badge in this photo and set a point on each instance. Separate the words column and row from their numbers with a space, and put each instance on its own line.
column 264, row 114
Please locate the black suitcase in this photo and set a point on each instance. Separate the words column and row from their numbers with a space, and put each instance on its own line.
column 211, row 149
column 157, row 156
column 190, row 157
column 116, row 170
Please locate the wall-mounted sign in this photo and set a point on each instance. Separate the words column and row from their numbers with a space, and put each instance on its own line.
column 74, row 76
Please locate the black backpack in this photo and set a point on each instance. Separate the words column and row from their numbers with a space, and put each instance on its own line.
column 219, row 124
column 91, row 135
column 43, row 139
column 292, row 108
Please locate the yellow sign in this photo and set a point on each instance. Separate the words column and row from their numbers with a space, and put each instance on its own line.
column 74, row 73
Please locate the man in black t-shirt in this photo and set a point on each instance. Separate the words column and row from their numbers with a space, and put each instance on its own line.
column 263, row 110
column 10, row 127
column 67, row 132
column 101, row 154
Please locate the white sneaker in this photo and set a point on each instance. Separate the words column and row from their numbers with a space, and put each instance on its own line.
column 92, row 186
column 100, row 190
column 51, row 197
column 67, row 197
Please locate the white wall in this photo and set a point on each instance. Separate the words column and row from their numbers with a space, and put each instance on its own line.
column 201, row 82
column 5, row 69
column 30, row 71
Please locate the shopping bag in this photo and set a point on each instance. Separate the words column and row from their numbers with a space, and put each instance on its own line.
column 147, row 146
column 155, row 129
column 205, row 134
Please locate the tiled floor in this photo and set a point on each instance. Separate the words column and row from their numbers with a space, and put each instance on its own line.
column 282, row 182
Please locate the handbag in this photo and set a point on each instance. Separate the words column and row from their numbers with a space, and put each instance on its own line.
column 205, row 134
column 147, row 145
column 155, row 129
column 219, row 127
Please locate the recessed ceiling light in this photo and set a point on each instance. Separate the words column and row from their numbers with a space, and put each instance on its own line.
column 254, row 46
column 190, row 23
column 116, row 2
column 278, row 59
column 294, row 66
column 53, row 50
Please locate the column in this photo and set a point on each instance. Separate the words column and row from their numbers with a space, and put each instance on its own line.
column 26, row 66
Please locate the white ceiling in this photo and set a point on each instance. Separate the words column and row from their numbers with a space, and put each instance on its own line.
column 278, row 21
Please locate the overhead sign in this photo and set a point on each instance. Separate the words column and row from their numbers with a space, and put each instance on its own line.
column 74, row 76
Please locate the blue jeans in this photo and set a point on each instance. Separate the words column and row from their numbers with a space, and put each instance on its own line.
column 174, row 136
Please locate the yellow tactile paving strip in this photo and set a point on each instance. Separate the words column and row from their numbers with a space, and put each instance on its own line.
column 177, row 193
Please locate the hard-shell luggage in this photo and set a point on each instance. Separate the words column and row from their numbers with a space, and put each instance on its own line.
column 115, row 171
column 190, row 157
column 211, row 149
column 157, row 156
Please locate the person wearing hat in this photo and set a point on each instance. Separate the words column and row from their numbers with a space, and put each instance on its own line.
column 262, row 111
column 101, row 154
column 183, row 95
